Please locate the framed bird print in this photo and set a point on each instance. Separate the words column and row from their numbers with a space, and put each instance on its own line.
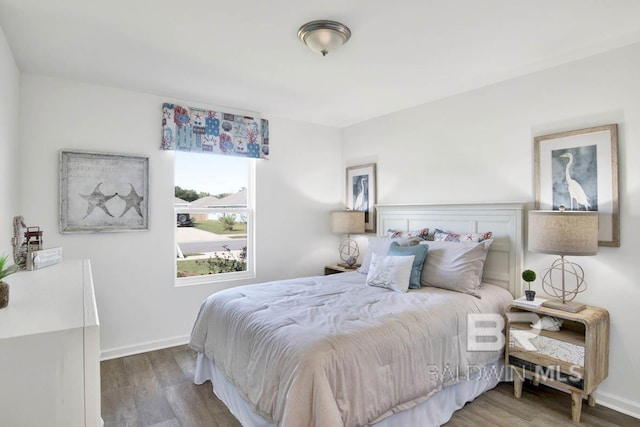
column 361, row 193
column 103, row 192
column 579, row 170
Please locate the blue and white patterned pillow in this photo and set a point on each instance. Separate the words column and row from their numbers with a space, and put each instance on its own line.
column 449, row 236
column 422, row 233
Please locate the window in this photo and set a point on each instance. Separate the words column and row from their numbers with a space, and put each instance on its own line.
column 213, row 208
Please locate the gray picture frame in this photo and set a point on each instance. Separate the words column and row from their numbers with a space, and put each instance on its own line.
column 362, row 193
column 101, row 192
column 579, row 170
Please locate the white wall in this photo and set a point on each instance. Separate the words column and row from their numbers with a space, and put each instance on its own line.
column 472, row 147
column 478, row 147
column 138, row 304
column 9, row 101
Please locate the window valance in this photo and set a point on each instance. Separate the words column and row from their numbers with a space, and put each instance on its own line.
column 206, row 131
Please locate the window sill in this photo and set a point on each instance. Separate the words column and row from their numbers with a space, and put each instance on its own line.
column 214, row 278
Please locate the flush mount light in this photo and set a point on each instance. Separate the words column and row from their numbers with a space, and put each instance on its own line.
column 324, row 36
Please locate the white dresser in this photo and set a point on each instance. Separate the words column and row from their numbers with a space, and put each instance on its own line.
column 50, row 348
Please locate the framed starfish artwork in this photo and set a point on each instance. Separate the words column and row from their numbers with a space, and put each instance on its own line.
column 578, row 169
column 103, row 192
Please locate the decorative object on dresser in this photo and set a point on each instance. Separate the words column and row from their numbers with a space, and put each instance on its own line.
column 348, row 222
column 563, row 233
column 26, row 241
column 4, row 287
column 529, row 276
column 569, row 350
column 20, row 248
column 579, row 169
column 28, row 253
column 44, row 258
column 361, row 193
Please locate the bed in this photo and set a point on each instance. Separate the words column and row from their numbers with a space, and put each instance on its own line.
column 332, row 350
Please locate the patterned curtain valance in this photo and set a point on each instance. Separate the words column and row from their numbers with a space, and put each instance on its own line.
column 205, row 131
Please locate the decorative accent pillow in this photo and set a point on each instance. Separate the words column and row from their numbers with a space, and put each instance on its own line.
column 380, row 246
column 448, row 236
column 422, row 233
column 456, row 266
column 419, row 252
column 390, row 272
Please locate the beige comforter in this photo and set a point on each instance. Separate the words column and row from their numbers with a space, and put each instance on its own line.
column 332, row 351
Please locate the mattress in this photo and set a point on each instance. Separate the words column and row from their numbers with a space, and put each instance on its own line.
column 330, row 350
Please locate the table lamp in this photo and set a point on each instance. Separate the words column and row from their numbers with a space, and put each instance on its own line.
column 563, row 233
column 347, row 222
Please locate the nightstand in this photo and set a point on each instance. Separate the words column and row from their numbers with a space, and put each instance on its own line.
column 335, row 268
column 576, row 357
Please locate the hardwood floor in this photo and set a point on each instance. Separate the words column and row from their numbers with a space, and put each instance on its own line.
column 156, row 389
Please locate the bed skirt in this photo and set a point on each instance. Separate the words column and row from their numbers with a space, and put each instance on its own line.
column 433, row 412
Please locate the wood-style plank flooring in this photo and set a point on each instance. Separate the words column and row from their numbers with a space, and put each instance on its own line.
column 156, row 389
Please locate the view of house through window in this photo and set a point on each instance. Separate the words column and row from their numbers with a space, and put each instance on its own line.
column 213, row 216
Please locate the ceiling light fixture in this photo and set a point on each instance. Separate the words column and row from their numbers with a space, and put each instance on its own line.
column 324, row 36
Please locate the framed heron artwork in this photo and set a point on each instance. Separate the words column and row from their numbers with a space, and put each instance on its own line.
column 361, row 193
column 578, row 169
column 103, row 192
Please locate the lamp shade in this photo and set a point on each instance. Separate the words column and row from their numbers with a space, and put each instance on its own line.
column 563, row 232
column 347, row 222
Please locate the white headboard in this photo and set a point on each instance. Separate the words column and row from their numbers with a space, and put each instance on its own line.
column 504, row 262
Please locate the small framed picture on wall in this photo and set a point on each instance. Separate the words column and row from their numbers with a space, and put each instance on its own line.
column 361, row 193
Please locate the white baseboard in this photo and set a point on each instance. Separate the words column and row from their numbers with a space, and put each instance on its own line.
column 611, row 401
column 114, row 353
column 618, row 403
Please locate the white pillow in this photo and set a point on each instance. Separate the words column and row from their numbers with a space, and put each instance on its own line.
column 380, row 246
column 390, row 272
column 456, row 266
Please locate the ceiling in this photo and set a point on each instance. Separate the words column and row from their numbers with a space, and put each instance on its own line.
column 245, row 55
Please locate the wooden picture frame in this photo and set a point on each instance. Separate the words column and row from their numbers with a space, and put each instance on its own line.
column 579, row 170
column 362, row 193
column 103, row 192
